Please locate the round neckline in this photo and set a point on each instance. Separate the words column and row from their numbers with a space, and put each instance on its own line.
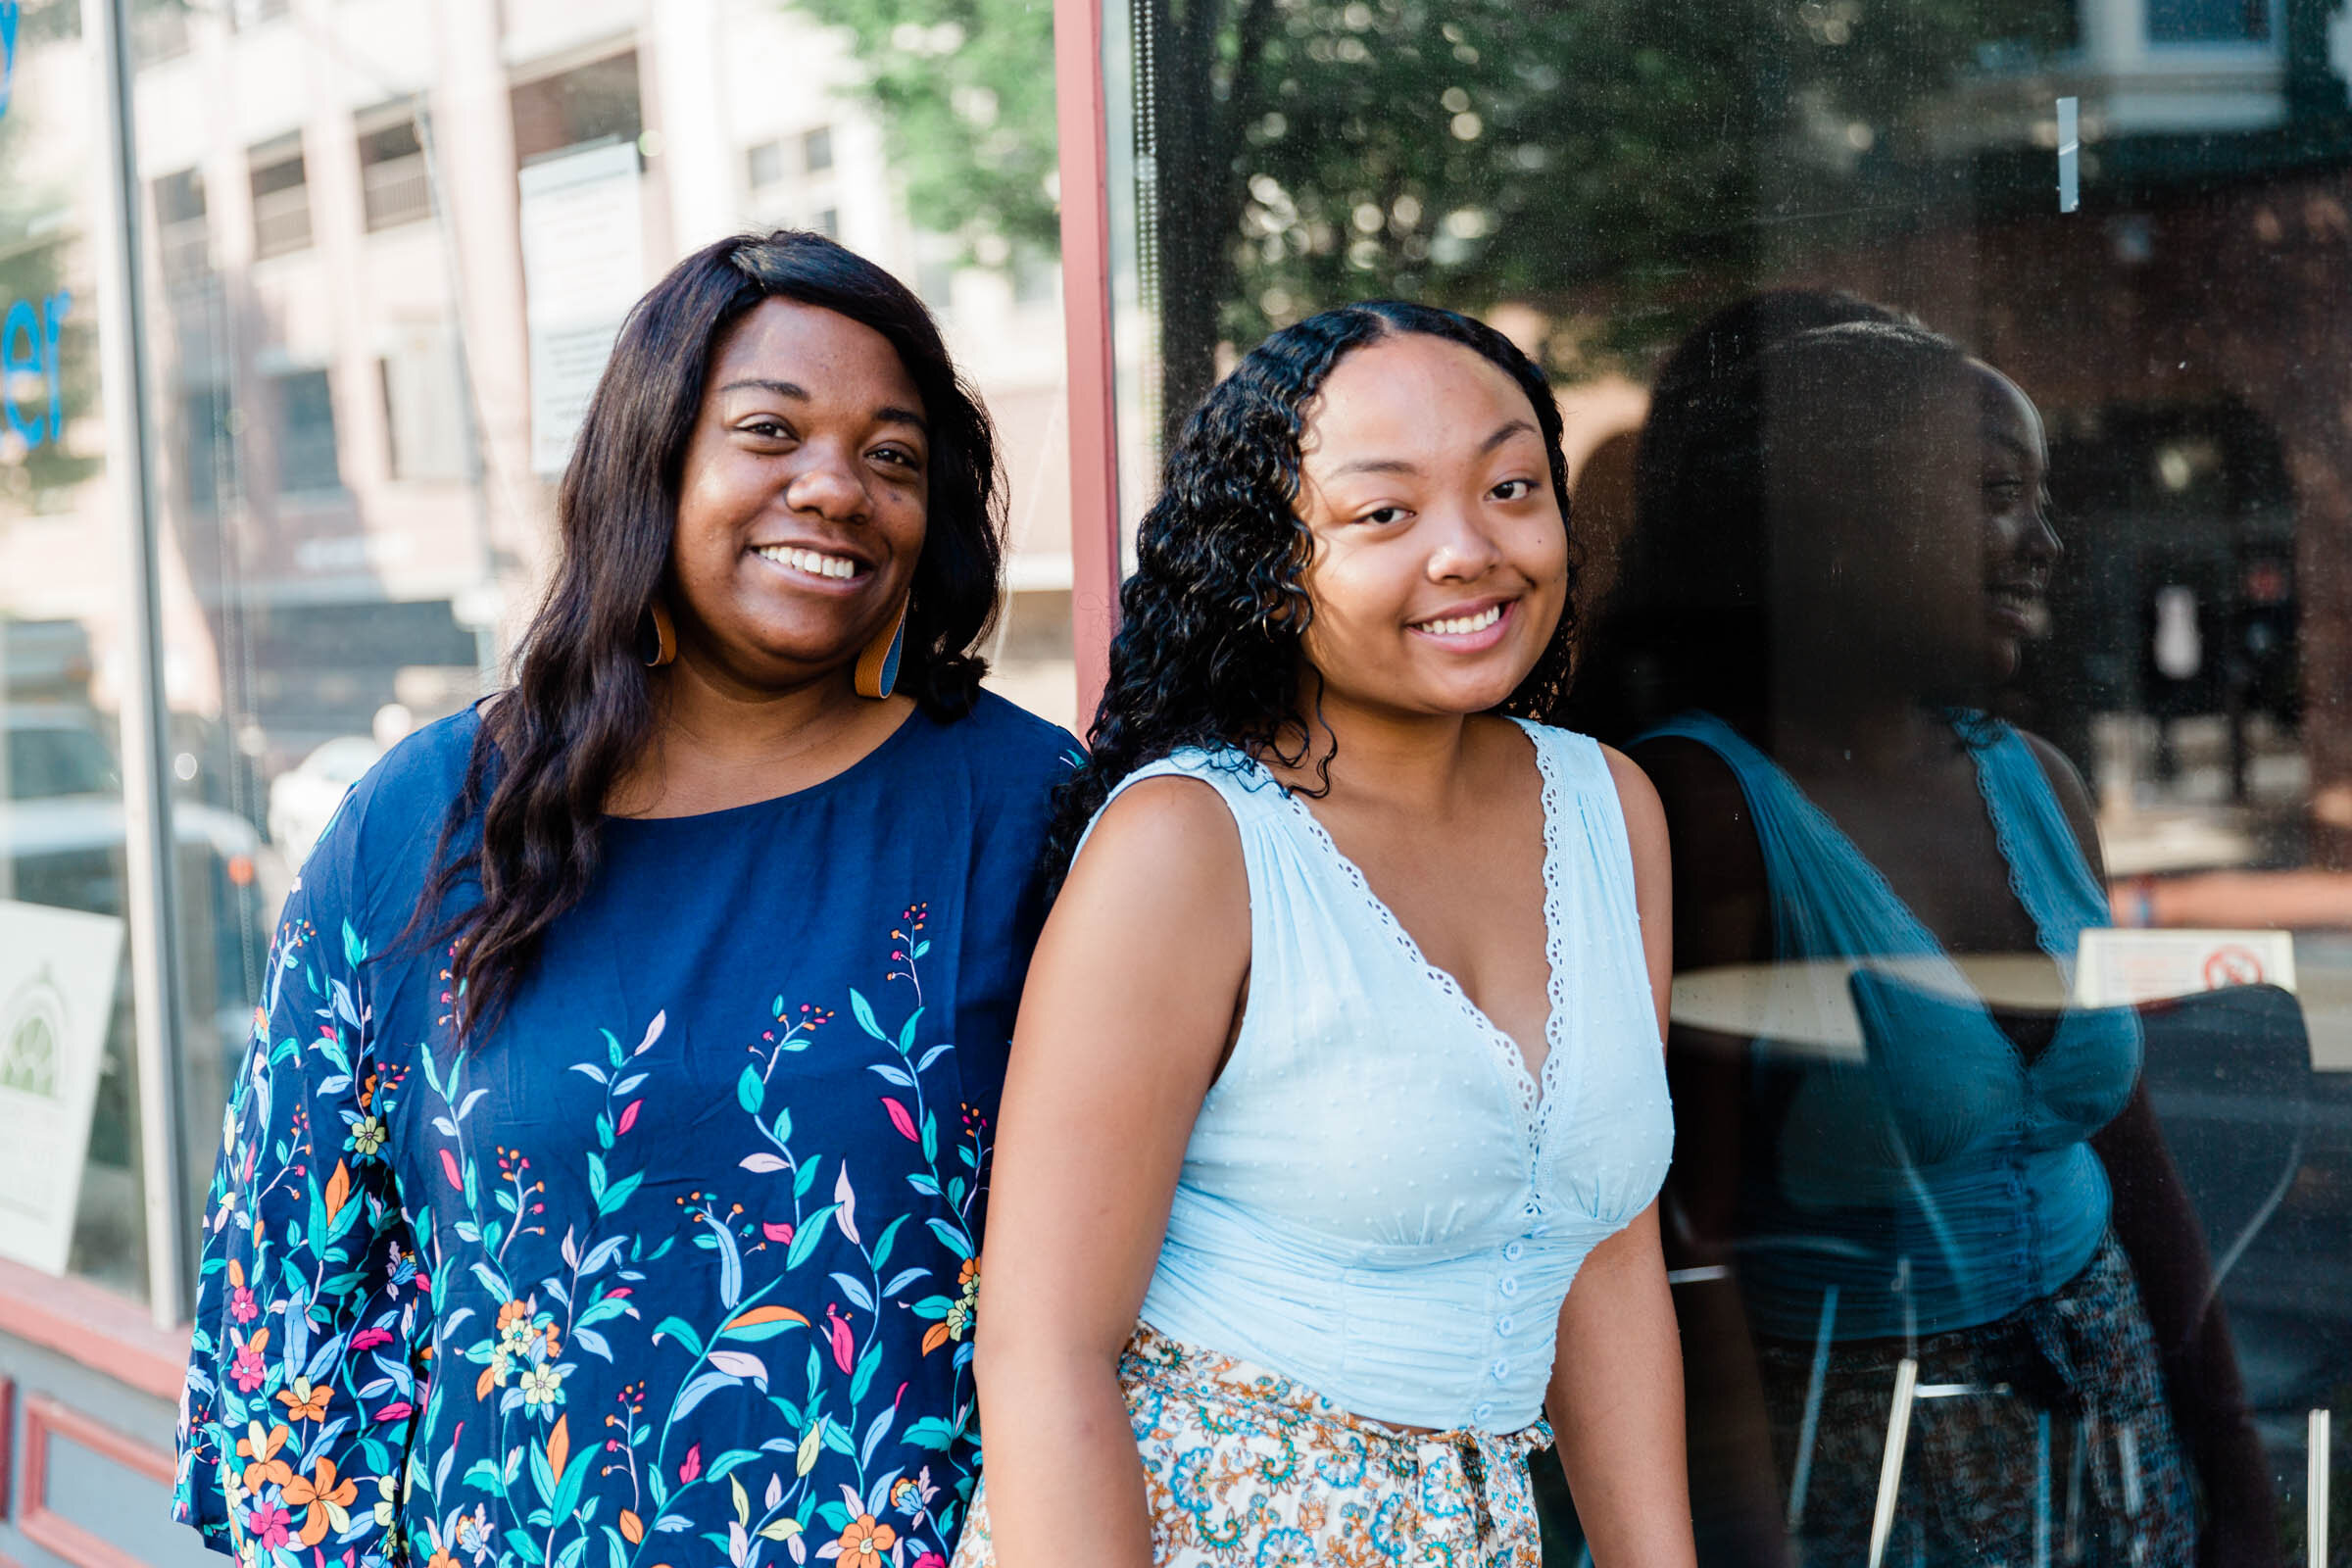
column 808, row 792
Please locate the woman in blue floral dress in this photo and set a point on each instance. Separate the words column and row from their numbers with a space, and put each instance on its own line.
column 603, row 1186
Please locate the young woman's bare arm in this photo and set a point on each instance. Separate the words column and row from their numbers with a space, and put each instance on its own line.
column 1616, row 1396
column 1130, row 1002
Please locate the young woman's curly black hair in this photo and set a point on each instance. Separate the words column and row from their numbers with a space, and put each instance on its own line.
column 1207, row 651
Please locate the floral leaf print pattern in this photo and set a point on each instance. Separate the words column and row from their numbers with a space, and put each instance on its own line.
column 675, row 1268
column 309, row 1276
column 328, row 1314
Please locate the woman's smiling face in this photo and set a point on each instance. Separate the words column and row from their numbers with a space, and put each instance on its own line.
column 1439, row 565
column 802, row 503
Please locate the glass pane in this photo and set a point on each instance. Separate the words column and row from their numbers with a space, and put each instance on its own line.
column 2209, row 21
column 70, row 1177
column 1990, row 651
column 366, row 384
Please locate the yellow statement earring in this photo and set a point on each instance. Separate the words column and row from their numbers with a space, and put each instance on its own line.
column 666, row 636
column 878, row 666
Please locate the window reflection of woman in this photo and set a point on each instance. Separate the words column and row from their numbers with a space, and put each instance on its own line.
column 601, row 1217
column 1340, row 1057
column 1845, row 559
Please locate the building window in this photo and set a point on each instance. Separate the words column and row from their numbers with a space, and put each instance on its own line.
column 817, row 150
column 395, row 183
column 208, row 448
column 306, row 434
column 281, row 197
column 591, row 102
column 159, row 31
column 2209, row 21
column 763, row 165
column 183, row 243
column 424, row 407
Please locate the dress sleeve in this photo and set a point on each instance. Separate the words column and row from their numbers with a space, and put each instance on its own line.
column 303, row 1383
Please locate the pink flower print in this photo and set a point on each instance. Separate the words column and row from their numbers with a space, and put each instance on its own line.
column 247, row 1370
column 268, row 1524
column 242, row 1306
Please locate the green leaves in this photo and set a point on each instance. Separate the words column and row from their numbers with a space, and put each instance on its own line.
column 806, row 1240
column 965, row 88
column 680, row 1330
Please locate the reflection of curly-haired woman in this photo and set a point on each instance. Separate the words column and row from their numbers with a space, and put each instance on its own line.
column 1340, row 1057
column 1840, row 553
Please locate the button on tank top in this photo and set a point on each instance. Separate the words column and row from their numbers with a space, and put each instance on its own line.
column 1378, row 1199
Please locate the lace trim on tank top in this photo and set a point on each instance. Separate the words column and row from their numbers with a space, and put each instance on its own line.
column 1556, row 1049
column 1528, row 1098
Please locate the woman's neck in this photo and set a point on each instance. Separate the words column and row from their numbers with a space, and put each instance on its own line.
column 1412, row 761
column 1845, row 710
column 717, row 743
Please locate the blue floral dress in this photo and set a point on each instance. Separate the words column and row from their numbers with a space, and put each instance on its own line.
column 676, row 1268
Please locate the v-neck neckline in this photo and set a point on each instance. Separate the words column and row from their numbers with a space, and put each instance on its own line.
column 1536, row 1089
column 2004, row 840
column 1929, row 944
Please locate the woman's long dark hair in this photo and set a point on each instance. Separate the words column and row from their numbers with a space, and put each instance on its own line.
column 526, row 828
column 1208, row 647
column 1771, row 386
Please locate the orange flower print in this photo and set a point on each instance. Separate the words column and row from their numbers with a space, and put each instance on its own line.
column 258, row 1451
column 328, row 1501
column 442, row 1559
column 959, row 1315
column 864, row 1544
column 304, row 1400
column 515, row 1329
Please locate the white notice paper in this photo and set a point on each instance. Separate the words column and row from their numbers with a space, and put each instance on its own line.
column 57, row 996
column 2120, row 967
column 583, row 265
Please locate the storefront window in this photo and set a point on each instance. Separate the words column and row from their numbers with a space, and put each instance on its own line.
column 70, row 1167
column 1954, row 397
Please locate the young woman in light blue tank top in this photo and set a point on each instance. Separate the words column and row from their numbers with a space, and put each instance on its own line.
column 1337, row 1110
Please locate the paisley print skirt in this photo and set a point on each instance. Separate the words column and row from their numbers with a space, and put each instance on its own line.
column 2063, row 1453
column 1243, row 1468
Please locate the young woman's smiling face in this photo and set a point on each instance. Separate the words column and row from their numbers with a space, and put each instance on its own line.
column 1440, row 554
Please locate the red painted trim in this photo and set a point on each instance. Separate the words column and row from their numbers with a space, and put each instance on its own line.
column 109, row 1334
column 46, row 1418
column 8, row 1442
column 1086, row 324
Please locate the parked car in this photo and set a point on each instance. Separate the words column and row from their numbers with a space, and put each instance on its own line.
column 303, row 799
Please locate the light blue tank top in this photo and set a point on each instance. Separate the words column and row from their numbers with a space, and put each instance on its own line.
column 1378, row 1201
column 1944, row 1181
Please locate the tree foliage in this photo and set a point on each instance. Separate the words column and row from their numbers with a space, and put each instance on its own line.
column 1593, row 158
column 965, row 88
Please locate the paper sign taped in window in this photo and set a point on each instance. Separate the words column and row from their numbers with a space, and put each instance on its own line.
column 2120, row 968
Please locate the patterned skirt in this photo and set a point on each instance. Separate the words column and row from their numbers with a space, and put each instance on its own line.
column 1243, row 1468
column 2063, row 1453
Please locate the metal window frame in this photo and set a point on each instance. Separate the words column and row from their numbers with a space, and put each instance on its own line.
column 148, row 860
